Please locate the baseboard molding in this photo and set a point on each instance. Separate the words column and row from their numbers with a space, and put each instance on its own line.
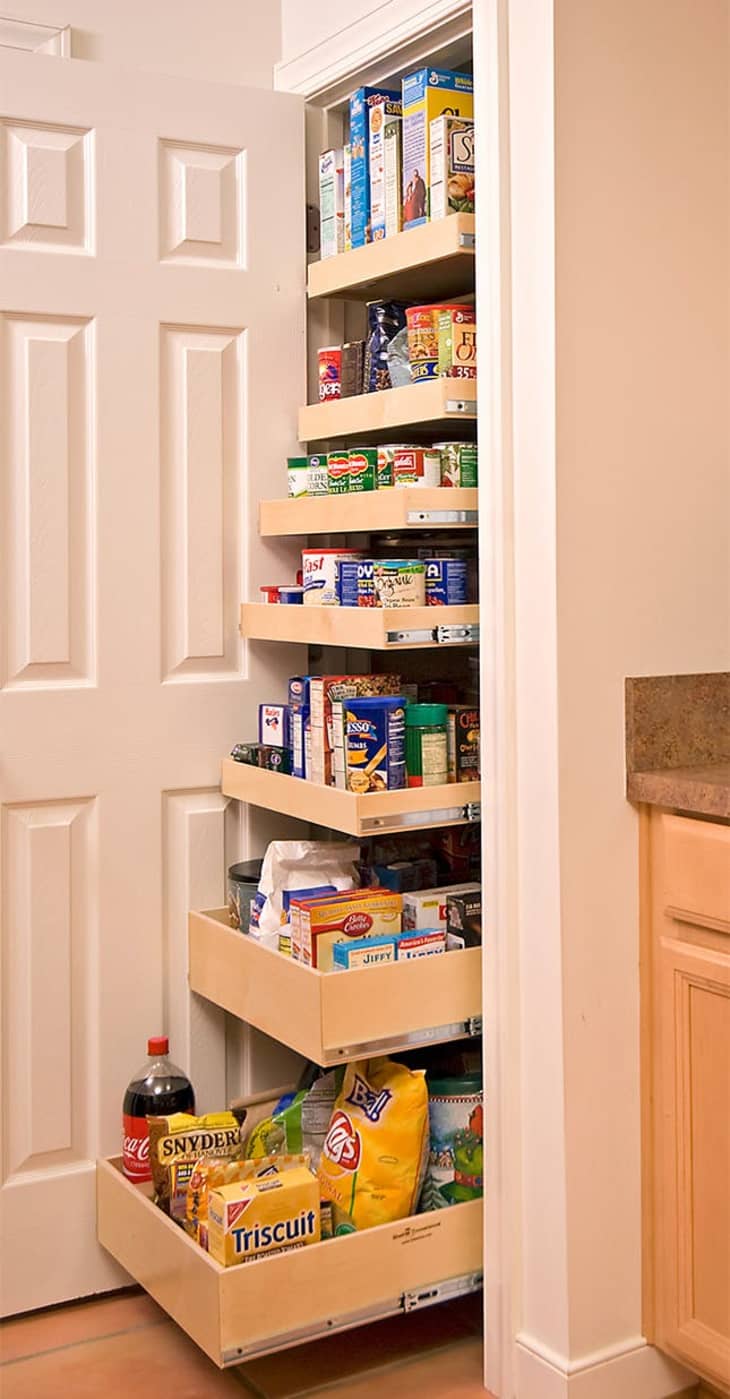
column 633, row 1368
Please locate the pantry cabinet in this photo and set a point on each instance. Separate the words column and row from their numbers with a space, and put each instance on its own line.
column 686, row 989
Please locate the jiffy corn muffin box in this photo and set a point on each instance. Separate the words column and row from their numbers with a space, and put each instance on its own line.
column 429, row 93
column 258, row 1216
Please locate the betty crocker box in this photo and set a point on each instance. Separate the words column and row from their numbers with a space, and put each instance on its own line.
column 361, row 913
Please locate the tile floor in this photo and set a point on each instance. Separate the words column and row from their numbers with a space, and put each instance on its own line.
column 124, row 1345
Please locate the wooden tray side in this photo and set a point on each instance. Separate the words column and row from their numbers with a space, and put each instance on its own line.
column 367, row 627
column 427, row 263
column 376, row 510
column 413, row 405
column 380, row 1003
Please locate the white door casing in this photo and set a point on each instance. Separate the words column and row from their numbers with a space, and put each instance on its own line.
column 151, row 355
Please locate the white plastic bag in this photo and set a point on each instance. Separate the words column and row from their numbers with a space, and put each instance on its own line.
column 298, row 864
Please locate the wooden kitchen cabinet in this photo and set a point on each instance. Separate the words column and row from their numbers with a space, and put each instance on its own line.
column 686, row 1084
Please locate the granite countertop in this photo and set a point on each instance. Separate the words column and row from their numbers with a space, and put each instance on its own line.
column 678, row 742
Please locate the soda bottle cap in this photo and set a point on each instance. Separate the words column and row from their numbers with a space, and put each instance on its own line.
column 159, row 1044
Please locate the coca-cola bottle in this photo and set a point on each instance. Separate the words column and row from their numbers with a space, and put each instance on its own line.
column 160, row 1088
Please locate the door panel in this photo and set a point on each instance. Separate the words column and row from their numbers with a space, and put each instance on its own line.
column 152, row 354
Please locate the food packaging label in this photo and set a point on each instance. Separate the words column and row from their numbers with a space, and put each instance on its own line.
column 384, row 116
column 270, row 1212
column 451, row 161
column 331, row 203
column 360, row 103
column 426, row 94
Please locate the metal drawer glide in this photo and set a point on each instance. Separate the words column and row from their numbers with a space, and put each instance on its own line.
column 410, row 820
column 452, row 635
column 414, row 1039
column 442, row 517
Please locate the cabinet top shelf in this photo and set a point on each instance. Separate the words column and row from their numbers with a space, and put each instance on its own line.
column 426, row 263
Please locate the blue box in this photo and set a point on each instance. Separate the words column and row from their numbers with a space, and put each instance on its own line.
column 360, row 104
column 299, row 689
column 363, row 952
column 374, row 739
column 347, row 571
column 446, row 582
column 300, row 723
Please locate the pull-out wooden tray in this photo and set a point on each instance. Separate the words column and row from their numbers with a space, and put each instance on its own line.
column 280, row 1301
column 426, row 263
column 373, row 628
column 402, row 508
column 436, row 403
column 333, row 1017
column 375, row 813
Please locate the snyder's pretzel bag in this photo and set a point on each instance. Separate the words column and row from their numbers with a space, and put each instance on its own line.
column 178, row 1142
column 374, row 1155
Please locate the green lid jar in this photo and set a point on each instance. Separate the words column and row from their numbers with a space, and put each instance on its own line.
column 426, row 747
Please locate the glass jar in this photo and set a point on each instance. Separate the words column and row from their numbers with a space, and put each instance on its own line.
column 426, row 745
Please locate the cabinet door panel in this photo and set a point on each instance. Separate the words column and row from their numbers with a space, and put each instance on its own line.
column 695, row 1155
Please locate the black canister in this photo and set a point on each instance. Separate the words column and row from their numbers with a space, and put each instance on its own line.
column 243, row 882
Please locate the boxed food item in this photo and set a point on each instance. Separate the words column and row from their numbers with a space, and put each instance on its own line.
column 331, row 203
column 464, row 919
column 451, row 159
column 423, row 942
column 385, row 181
column 300, row 739
column 427, row 908
column 347, row 182
column 404, row 875
column 427, row 94
column 178, row 1142
column 353, row 359
column 360, row 103
column 261, row 1215
column 457, row 343
column 362, row 913
column 462, row 738
column 274, row 724
column 327, row 692
column 363, row 952
column 374, row 733
column 211, row 1173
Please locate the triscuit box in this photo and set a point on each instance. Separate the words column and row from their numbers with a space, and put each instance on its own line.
column 427, row 907
column 362, row 913
column 451, row 165
column 259, row 1216
column 428, row 93
column 360, row 104
column 331, row 203
column 385, row 183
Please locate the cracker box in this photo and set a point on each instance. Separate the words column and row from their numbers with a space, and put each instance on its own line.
column 451, row 164
column 258, row 1216
column 363, row 952
column 361, row 913
column 360, row 104
column 464, row 919
column 331, row 203
column 385, row 182
column 427, row 908
column 428, row 93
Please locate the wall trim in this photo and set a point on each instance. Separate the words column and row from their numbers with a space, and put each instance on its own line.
column 326, row 71
column 630, row 1367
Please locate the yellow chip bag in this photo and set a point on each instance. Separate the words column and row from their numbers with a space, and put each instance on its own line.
column 374, row 1153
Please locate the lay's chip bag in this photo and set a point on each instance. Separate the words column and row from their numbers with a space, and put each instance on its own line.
column 375, row 1149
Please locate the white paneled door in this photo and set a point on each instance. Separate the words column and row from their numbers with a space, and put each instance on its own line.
column 151, row 354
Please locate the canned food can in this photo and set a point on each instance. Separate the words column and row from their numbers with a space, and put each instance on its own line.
column 329, row 360
column 384, row 469
column 338, row 473
column 320, row 575
column 363, row 468
column 269, row 593
column 417, row 466
column 399, row 582
column 274, row 759
column 423, row 342
column 317, row 475
column 291, row 595
column 347, row 582
column 458, row 463
column 446, row 582
column 296, row 472
column 365, row 584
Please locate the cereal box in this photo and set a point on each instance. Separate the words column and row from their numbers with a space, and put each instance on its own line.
column 331, row 203
column 451, row 185
column 347, row 180
column 427, row 908
column 427, row 94
column 361, row 913
column 385, row 119
column 360, row 104
column 258, row 1216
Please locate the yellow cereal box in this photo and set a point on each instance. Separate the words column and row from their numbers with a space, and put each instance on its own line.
column 261, row 1215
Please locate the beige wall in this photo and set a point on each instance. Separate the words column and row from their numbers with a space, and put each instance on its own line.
column 642, row 164
column 227, row 41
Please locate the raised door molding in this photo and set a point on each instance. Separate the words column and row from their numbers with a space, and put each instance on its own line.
column 386, row 37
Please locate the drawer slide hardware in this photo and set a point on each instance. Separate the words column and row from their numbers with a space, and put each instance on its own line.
column 452, row 635
column 461, row 405
column 426, row 1296
column 442, row 517
column 467, row 240
column 410, row 820
column 414, row 1039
